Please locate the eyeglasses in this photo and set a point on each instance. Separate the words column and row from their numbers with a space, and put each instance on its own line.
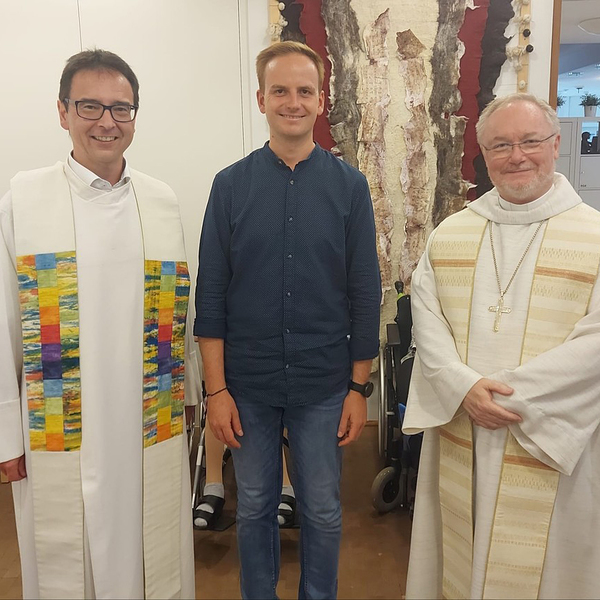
column 93, row 111
column 504, row 150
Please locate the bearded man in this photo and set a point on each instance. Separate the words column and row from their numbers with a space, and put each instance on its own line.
column 506, row 309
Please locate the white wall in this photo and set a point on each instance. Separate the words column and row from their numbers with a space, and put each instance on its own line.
column 184, row 52
column 257, row 29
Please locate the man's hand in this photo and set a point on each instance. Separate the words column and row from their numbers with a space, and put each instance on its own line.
column 354, row 417
column 14, row 469
column 224, row 419
column 482, row 409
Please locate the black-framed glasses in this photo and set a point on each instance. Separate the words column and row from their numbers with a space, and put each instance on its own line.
column 93, row 111
column 504, row 149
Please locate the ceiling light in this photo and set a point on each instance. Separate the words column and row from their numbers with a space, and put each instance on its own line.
column 590, row 26
column 575, row 73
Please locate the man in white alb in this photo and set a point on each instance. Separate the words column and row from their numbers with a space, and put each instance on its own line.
column 93, row 303
column 506, row 309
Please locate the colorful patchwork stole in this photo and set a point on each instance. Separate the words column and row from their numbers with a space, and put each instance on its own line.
column 566, row 270
column 47, row 274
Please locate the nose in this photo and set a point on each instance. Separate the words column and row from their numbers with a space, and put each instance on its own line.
column 517, row 154
column 293, row 100
column 106, row 119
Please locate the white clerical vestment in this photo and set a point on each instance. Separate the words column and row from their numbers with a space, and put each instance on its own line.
column 116, row 548
column 557, row 394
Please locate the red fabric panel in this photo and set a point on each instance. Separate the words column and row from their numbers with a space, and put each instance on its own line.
column 50, row 334
column 313, row 27
column 471, row 34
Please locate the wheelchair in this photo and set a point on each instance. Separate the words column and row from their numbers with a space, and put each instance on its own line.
column 395, row 485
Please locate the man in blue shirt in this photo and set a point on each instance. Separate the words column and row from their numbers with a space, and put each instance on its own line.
column 287, row 300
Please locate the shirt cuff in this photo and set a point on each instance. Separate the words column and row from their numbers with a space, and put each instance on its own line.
column 361, row 350
column 210, row 329
column 11, row 430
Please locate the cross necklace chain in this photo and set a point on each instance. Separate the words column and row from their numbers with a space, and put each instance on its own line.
column 500, row 309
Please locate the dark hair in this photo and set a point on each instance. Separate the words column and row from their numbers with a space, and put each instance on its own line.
column 96, row 60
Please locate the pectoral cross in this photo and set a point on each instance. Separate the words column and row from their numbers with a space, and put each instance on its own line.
column 499, row 310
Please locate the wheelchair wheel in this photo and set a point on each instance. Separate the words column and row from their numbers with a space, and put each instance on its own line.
column 385, row 491
column 382, row 413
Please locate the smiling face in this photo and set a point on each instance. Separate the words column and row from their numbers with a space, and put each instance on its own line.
column 99, row 145
column 520, row 178
column 291, row 99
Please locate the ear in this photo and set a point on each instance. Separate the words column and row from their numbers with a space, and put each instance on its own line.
column 321, row 107
column 260, row 98
column 557, row 146
column 62, row 115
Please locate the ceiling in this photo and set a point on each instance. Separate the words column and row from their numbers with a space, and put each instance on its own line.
column 580, row 50
column 588, row 81
column 573, row 12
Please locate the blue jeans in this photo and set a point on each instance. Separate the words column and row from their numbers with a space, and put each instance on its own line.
column 317, row 467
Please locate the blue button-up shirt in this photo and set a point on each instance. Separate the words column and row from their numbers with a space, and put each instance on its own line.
column 288, row 276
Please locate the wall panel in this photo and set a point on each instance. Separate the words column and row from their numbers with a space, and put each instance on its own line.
column 186, row 54
column 35, row 38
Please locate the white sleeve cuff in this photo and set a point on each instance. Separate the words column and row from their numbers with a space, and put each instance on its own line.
column 11, row 430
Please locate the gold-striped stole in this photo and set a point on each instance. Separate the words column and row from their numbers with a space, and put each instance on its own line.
column 453, row 254
column 565, row 273
column 564, row 277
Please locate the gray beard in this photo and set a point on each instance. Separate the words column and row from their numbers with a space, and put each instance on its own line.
column 542, row 183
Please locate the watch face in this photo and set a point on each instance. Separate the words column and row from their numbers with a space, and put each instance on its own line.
column 368, row 388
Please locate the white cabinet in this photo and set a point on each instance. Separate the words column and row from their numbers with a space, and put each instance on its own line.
column 579, row 156
column 565, row 163
column 589, row 172
column 591, row 197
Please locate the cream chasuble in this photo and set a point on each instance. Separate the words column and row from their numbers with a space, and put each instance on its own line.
column 556, row 391
column 105, row 510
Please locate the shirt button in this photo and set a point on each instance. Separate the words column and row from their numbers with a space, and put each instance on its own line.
column 287, row 330
column 291, row 182
column 288, row 294
column 290, row 219
column 287, row 366
column 289, row 256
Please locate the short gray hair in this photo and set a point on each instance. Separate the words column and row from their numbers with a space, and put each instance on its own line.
column 503, row 101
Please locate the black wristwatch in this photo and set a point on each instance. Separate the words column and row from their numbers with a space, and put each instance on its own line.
column 366, row 390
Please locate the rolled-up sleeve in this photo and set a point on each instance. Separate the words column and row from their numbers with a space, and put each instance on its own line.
column 363, row 278
column 214, row 267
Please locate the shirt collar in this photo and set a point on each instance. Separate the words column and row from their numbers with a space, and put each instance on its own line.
column 91, row 179
column 276, row 159
column 506, row 205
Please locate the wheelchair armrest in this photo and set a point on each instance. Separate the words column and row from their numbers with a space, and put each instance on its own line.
column 393, row 334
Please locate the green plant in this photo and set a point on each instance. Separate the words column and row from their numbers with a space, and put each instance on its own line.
column 560, row 101
column 589, row 100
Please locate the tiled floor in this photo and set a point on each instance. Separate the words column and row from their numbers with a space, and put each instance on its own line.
column 374, row 547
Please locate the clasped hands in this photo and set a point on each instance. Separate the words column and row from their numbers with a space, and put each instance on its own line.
column 481, row 408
